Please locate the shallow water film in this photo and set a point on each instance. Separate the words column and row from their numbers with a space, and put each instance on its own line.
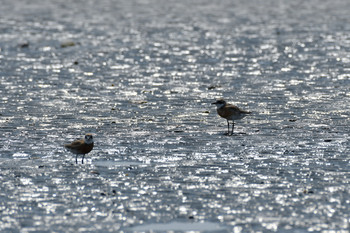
column 141, row 75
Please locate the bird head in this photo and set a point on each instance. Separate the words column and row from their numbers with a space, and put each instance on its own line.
column 88, row 138
column 220, row 103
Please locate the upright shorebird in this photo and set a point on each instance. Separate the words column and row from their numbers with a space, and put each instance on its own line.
column 229, row 112
column 81, row 147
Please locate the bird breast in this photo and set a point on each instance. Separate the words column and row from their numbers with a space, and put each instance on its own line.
column 80, row 148
column 230, row 113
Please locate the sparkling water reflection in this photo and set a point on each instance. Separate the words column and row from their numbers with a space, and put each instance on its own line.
column 140, row 75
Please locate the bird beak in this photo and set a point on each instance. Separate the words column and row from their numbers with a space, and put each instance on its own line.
column 214, row 103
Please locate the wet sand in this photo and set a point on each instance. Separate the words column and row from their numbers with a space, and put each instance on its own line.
column 141, row 77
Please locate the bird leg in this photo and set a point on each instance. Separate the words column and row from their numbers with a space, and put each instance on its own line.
column 82, row 161
column 76, row 159
column 233, row 126
column 228, row 127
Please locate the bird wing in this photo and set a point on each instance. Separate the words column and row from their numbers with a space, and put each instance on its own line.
column 227, row 111
column 75, row 144
column 235, row 110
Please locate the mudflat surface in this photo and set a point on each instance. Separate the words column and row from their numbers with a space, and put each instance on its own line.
column 141, row 77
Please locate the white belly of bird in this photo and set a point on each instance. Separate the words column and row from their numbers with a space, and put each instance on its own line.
column 237, row 117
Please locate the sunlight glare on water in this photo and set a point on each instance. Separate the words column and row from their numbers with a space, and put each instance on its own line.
column 141, row 77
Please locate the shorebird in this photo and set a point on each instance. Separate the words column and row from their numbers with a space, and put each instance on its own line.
column 229, row 112
column 81, row 147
